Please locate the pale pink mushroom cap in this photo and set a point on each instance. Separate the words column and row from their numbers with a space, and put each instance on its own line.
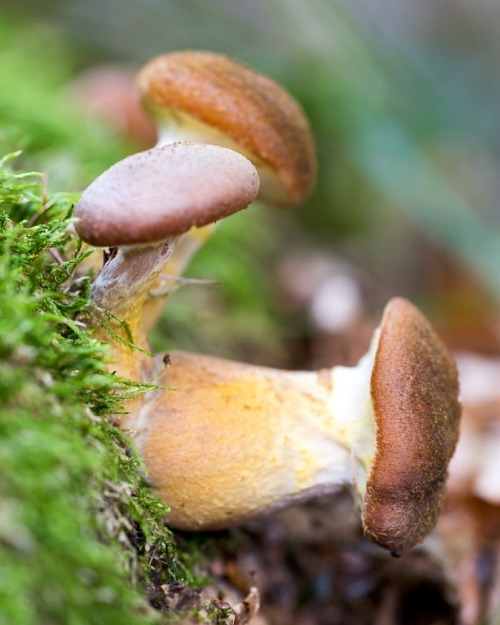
column 163, row 192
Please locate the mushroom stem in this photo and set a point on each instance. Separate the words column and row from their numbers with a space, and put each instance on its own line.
column 232, row 441
column 186, row 247
column 122, row 288
column 250, row 440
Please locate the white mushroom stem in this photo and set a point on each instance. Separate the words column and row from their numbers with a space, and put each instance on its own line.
column 233, row 441
column 183, row 251
column 126, row 278
column 121, row 289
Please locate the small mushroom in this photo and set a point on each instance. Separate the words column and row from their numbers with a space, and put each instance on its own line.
column 210, row 98
column 232, row 441
column 139, row 207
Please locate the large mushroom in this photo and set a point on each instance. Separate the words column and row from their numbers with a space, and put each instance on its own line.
column 232, row 441
column 138, row 208
column 206, row 97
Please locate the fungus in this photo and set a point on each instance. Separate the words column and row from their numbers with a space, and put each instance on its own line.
column 139, row 207
column 210, row 98
column 205, row 97
column 234, row 441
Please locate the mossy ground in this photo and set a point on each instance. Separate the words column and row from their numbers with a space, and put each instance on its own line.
column 79, row 527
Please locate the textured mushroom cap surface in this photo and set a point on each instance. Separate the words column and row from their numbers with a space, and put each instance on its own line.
column 246, row 106
column 414, row 388
column 163, row 192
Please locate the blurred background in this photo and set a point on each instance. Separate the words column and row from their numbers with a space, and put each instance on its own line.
column 403, row 99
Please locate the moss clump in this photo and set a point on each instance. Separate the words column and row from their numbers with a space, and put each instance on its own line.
column 77, row 523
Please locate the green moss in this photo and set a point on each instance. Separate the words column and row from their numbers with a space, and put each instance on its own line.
column 78, row 524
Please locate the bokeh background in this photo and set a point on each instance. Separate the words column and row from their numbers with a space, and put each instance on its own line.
column 404, row 101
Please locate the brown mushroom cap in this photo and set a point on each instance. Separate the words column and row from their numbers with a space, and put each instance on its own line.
column 414, row 388
column 244, row 105
column 163, row 192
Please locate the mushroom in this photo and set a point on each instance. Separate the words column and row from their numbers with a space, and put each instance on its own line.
column 231, row 441
column 210, row 98
column 139, row 207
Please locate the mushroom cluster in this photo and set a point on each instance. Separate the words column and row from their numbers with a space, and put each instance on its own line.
column 227, row 442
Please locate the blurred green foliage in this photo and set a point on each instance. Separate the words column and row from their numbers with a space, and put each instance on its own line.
column 38, row 115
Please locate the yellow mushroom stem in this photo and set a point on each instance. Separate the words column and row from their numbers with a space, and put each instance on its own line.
column 233, row 441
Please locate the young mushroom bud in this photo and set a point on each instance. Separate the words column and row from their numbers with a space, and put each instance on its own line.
column 139, row 207
column 231, row 441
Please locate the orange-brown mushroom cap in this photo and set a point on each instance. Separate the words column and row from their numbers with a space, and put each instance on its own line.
column 163, row 192
column 249, row 108
column 414, row 388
